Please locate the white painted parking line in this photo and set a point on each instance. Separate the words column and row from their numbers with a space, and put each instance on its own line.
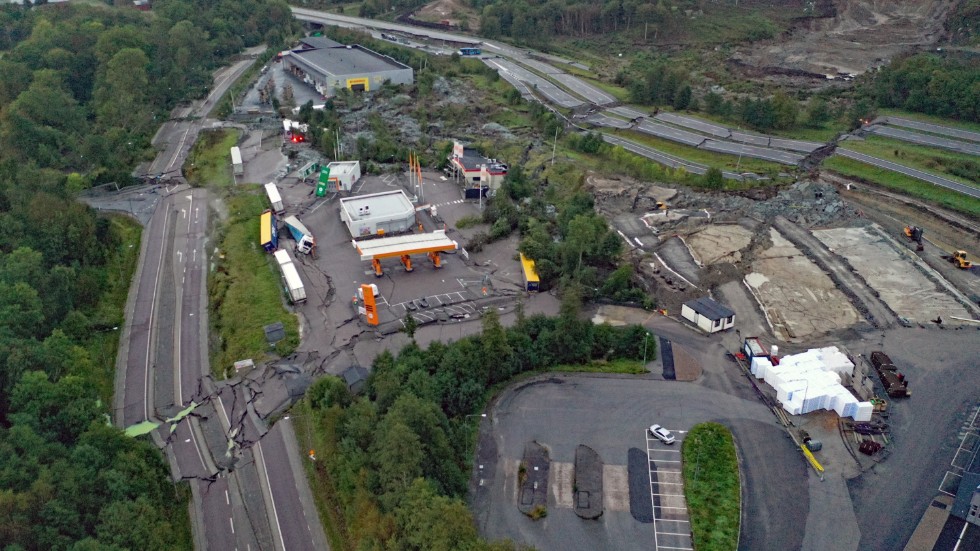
column 669, row 509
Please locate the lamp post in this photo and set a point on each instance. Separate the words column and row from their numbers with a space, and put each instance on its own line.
column 645, row 335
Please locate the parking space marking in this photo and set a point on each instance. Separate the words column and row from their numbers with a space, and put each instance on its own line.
column 670, row 513
column 615, row 488
column 561, row 483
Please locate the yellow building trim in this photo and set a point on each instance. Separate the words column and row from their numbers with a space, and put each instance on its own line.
column 352, row 82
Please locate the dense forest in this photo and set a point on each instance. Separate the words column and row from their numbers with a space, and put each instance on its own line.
column 398, row 457
column 82, row 90
column 945, row 86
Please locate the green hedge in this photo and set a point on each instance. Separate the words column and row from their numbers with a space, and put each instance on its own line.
column 711, row 487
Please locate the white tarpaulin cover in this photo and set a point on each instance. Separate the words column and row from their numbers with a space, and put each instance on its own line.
column 811, row 380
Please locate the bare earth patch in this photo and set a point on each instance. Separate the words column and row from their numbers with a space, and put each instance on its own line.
column 799, row 299
column 454, row 11
column 855, row 36
column 901, row 284
column 721, row 243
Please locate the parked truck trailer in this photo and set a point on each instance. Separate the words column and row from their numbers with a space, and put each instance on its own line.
column 291, row 281
column 237, row 167
column 274, row 198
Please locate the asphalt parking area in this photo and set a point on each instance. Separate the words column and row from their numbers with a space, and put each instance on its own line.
column 607, row 414
column 671, row 524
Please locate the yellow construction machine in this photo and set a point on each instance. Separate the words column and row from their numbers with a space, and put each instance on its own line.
column 914, row 234
column 959, row 259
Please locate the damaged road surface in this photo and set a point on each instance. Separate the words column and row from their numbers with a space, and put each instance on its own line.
column 247, row 484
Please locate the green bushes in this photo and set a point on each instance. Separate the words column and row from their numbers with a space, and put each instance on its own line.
column 712, row 487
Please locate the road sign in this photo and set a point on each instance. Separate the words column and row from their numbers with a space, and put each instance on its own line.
column 321, row 186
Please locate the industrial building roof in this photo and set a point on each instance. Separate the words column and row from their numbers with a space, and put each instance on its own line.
column 710, row 308
column 349, row 60
column 382, row 204
column 405, row 244
column 317, row 42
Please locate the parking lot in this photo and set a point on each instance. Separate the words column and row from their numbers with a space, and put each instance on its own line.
column 611, row 416
column 671, row 525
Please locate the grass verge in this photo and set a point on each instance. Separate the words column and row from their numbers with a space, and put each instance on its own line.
column 707, row 158
column 905, row 184
column 948, row 164
column 315, row 430
column 630, row 367
column 210, row 160
column 244, row 291
column 102, row 345
column 711, row 487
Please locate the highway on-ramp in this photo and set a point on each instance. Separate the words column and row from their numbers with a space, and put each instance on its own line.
column 664, row 158
column 917, row 174
column 933, row 128
column 765, row 153
column 925, row 139
column 554, row 94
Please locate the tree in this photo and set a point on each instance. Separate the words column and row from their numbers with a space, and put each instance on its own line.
column 817, row 113
column 496, row 351
column 785, row 111
column 410, row 325
column 714, row 179
column 396, row 454
column 328, row 392
column 60, row 410
column 682, row 99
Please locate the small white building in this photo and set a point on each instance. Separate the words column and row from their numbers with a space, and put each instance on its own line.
column 377, row 214
column 344, row 174
column 709, row 315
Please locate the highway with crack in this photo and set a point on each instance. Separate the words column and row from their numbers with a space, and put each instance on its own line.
column 248, row 485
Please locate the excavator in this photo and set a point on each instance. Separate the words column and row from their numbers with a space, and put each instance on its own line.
column 959, row 259
column 915, row 234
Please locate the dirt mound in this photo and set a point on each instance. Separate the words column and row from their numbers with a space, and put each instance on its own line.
column 456, row 12
column 852, row 36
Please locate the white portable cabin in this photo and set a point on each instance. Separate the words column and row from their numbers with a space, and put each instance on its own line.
column 345, row 174
column 708, row 315
column 236, row 161
column 274, row 198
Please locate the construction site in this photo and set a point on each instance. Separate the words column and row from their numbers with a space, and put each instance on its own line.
column 807, row 261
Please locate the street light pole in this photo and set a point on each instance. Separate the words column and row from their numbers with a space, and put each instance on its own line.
column 645, row 335
column 554, row 147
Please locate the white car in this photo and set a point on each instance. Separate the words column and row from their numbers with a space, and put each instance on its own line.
column 662, row 434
